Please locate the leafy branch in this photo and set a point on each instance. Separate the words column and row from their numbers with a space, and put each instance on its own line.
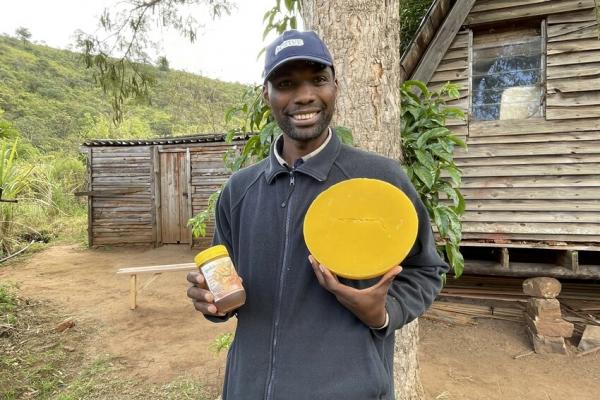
column 427, row 149
column 279, row 20
column 118, row 58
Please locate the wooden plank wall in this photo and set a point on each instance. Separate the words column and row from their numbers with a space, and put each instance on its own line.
column 430, row 24
column 535, row 180
column 122, row 196
column 208, row 175
column 454, row 68
column 573, row 72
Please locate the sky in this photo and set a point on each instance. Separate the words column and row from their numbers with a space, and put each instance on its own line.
column 226, row 48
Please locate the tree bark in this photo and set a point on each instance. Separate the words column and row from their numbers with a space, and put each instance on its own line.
column 364, row 39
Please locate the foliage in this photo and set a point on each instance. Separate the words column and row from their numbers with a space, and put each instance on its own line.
column 222, row 342
column 44, row 186
column 51, row 99
column 13, row 180
column 411, row 14
column 278, row 19
column 198, row 222
column 162, row 63
column 127, row 27
column 23, row 33
column 7, row 131
column 427, row 149
column 8, row 303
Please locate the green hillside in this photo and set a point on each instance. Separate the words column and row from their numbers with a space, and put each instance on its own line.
column 49, row 105
column 54, row 103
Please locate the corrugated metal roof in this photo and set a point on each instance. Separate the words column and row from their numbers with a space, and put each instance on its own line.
column 162, row 141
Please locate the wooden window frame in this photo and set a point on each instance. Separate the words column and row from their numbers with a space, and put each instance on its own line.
column 543, row 73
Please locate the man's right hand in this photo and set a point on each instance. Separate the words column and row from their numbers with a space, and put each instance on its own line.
column 202, row 298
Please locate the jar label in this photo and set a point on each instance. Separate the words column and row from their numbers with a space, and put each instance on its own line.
column 221, row 277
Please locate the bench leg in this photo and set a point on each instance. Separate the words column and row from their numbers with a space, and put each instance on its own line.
column 132, row 291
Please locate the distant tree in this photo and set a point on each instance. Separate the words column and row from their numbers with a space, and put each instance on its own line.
column 118, row 58
column 162, row 63
column 23, row 33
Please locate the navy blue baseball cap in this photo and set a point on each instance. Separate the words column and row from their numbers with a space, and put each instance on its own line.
column 295, row 45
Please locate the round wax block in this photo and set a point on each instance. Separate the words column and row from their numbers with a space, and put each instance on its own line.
column 360, row 228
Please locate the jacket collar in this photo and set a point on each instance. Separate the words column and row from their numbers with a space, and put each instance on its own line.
column 317, row 166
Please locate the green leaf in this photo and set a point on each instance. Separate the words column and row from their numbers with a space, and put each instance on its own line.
column 437, row 150
column 458, row 141
column 431, row 134
column 424, row 175
column 289, row 4
column 451, row 194
column 453, row 112
column 441, row 221
column 458, row 262
column 454, row 174
column 425, row 158
column 345, row 135
column 408, row 85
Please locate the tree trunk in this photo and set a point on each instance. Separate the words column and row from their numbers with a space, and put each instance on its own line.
column 364, row 38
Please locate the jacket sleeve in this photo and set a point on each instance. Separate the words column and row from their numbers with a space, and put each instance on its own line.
column 222, row 236
column 415, row 288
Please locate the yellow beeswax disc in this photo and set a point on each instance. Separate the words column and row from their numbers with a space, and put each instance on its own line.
column 360, row 228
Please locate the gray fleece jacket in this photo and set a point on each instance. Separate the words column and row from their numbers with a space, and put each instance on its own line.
column 294, row 340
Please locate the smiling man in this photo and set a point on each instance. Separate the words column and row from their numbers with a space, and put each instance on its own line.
column 303, row 333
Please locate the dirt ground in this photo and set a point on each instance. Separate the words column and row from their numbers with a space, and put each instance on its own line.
column 165, row 338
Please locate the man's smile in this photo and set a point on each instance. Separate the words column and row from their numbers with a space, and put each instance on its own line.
column 302, row 117
column 305, row 118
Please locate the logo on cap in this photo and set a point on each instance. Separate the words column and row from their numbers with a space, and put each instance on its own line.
column 289, row 43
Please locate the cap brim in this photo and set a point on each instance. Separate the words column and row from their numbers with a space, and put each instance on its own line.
column 284, row 61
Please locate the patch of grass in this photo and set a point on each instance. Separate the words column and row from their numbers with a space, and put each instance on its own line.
column 34, row 363
column 221, row 342
column 37, row 362
column 103, row 380
column 8, row 304
column 184, row 388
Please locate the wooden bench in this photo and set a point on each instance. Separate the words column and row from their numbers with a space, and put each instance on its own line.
column 156, row 270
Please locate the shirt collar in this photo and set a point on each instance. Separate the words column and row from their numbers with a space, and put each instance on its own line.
column 279, row 146
column 317, row 165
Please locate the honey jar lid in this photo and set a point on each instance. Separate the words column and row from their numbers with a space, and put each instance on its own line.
column 210, row 254
column 361, row 228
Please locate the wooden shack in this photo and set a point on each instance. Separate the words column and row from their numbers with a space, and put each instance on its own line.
column 145, row 191
column 529, row 78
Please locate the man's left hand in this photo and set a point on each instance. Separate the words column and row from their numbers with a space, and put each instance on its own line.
column 367, row 304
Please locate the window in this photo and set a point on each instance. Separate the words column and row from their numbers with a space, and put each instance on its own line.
column 507, row 74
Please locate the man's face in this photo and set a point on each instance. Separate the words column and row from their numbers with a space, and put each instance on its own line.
column 302, row 98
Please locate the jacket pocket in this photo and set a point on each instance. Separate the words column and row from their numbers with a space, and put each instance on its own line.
column 382, row 376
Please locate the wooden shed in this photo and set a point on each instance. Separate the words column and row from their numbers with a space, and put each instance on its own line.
column 529, row 78
column 144, row 191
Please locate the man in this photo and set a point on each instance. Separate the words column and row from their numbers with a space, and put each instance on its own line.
column 303, row 333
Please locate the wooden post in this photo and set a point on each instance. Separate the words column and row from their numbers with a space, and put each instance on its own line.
column 133, row 291
column 153, row 195
column 90, row 210
column 188, row 171
column 504, row 259
column 569, row 259
column 157, row 193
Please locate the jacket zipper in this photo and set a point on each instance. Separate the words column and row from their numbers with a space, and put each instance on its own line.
column 285, row 203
